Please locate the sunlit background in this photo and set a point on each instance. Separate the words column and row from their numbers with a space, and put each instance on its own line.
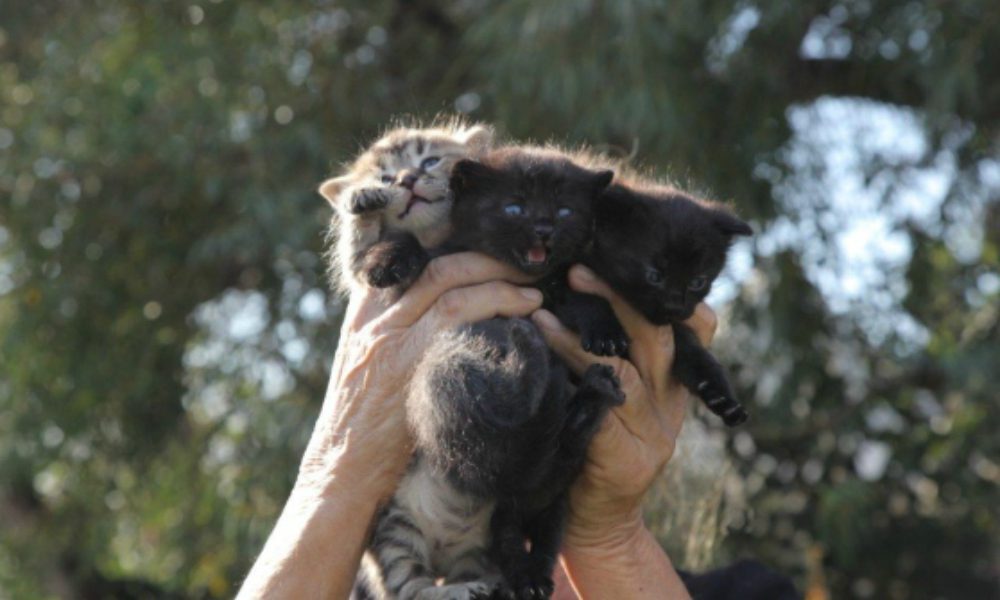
column 166, row 328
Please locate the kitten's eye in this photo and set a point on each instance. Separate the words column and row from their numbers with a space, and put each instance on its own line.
column 564, row 212
column 653, row 276
column 388, row 179
column 514, row 210
column 429, row 162
column 698, row 284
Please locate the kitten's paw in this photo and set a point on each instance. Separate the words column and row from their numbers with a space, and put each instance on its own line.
column 468, row 590
column 720, row 400
column 537, row 587
column 394, row 268
column 367, row 200
column 605, row 341
column 602, row 381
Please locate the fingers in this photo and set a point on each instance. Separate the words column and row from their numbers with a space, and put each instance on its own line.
column 583, row 279
column 704, row 323
column 476, row 303
column 650, row 346
column 566, row 344
column 447, row 273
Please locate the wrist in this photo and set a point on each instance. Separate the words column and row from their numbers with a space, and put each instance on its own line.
column 348, row 475
column 622, row 562
column 599, row 542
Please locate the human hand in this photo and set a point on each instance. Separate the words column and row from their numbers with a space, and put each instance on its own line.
column 361, row 433
column 638, row 438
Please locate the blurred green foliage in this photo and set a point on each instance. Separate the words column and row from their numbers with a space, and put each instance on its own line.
column 166, row 330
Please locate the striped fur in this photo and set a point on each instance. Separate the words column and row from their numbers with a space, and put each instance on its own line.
column 374, row 197
column 429, row 531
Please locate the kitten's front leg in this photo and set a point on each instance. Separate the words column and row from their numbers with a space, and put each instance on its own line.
column 366, row 200
column 701, row 373
column 593, row 318
column 396, row 260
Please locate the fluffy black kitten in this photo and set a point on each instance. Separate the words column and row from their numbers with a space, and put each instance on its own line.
column 662, row 250
column 532, row 208
column 494, row 412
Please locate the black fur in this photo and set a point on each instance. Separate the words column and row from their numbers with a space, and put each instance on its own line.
column 396, row 260
column 503, row 423
column 662, row 250
column 553, row 196
column 520, row 435
column 557, row 199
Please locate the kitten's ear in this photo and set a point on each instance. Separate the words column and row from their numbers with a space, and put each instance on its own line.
column 478, row 139
column 331, row 188
column 602, row 179
column 730, row 224
column 468, row 174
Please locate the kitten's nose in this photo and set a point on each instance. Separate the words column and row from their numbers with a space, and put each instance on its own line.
column 675, row 301
column 408, row 180
column 544, row 229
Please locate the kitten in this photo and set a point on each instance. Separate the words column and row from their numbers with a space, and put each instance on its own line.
column 394, row 201
column 662, row 250
column 499, row 437
column 500, row 432
column 532, row 208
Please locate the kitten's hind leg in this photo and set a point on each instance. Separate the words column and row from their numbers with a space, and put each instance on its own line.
column 398, row 560
column 701, row 373
column 477, row 573
column 593, row 318
column 527, row 575
column 597, row 392
column 396, row 260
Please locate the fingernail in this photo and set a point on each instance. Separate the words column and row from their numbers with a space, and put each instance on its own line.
column 531, row 294
column 584, row 274
column 546, row 320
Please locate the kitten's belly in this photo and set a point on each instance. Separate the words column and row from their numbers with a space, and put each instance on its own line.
column 452, row 523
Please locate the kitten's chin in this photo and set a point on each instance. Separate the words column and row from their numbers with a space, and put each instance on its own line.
column 418, row 213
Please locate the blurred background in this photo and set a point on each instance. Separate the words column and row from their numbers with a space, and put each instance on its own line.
column 166, row 328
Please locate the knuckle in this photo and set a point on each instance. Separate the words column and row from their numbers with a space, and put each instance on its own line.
column 451, row 303
column 438, row 271
column 711, row 321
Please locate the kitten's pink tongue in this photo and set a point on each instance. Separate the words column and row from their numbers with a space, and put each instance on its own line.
column 536, row 254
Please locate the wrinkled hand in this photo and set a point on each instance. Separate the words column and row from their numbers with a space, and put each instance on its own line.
column 636, row 439
column 361, row 432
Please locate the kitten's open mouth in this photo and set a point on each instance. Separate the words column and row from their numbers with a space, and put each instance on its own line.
column 414, row 199
column 535, row 258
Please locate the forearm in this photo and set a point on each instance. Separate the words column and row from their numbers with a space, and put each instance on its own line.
column 315, row 547
column 628, row 565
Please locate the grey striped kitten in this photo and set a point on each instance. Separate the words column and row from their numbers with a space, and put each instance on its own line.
column 393, row 201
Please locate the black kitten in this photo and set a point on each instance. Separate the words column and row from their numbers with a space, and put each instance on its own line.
column 531, row 208
column 662, row 250
column 534, row 210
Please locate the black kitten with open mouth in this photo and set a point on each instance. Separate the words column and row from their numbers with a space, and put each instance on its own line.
column 530, row 207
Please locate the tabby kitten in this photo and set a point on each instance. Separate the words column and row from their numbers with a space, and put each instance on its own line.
column 662, row 250
column 394, row 201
